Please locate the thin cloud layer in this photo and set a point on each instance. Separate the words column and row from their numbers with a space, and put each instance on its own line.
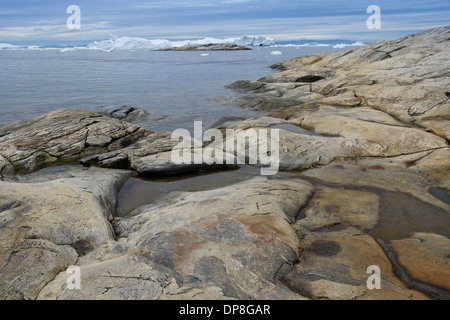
column 27, row 20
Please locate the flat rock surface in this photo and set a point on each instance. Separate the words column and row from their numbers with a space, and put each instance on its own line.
column 47, row 226
column 334, row 266
column 425, row 257
column 203, row 237
column 178, row 247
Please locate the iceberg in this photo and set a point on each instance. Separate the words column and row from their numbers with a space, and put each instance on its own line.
column 255, row 41
column 319, row 44
column 8, row 46
column 134, row 43
column 69, row 49
column 276, row 53
column 344, row 45
column 128, row 43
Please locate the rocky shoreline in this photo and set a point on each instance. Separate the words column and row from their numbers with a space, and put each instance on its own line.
column 364, row 146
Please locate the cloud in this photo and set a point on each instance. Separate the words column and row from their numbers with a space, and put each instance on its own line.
column 23, row 20
column 54, row 31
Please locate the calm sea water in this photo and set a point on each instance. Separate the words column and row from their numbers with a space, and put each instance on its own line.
column 174, row 87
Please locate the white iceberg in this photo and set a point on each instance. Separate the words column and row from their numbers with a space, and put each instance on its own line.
column 136, row 43
column 133, row 43
column 254, row 41
column 8, row 46
column 345, row 45
column 318, row 44
column 276, row 53
column 68, row 49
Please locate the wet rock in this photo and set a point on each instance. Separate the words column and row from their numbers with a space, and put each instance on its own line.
column 397, row 176
column 250, row 238
column 64, row 136
column 125, row 113
column 309, row 78
column 224, row 122
column 334, row 265
column 325, row 248
column 246, row 85
column 196, row 245
column 332, row 206
column 425, row 257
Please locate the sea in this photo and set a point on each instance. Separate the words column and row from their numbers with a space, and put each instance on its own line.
column 175, row 87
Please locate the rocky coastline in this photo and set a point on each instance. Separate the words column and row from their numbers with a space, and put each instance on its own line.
column 364, row 146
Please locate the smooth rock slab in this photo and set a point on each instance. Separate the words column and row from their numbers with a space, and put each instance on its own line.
column 47, row 226
column 334, row 264
column 425, row 257
column 127, row 277
column 183, row 246
column 242, row 245
column 331, row 206
column 325, row 134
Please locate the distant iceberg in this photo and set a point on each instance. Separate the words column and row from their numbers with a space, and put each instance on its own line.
column 275, row 53
column 344, row 45
column 253, row 41
column 320, row 44
column 8, row 46
column 136, row 43
column 133, row 43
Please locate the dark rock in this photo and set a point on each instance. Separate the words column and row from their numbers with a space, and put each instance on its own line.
column 209, row 47
column 125, row 113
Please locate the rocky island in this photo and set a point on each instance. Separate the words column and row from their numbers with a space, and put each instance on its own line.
column 365, row 181
column 209, row 47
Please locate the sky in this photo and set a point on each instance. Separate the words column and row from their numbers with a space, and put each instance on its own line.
column 44, row 21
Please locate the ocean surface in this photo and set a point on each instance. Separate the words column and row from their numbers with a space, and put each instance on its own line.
column 175, row 87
